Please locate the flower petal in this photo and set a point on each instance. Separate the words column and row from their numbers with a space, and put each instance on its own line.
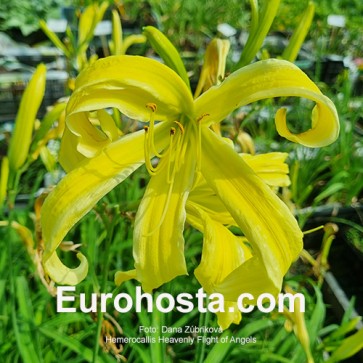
column 82, row 188
column 129, row 83
column 270, row 167
column 222, row 253
column 222, row 250
column 269, row 226
column 68, row 156
column 122, row 276
column 214, row 65
column 202, row 196
column 64, row 275
column 159, row 224
column 230, row 315
column 267, row 79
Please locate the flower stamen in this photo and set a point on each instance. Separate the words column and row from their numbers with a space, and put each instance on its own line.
column 172, row 162
column 152, row 107
column 151, row 170
column 170, row 175
column 181, row 127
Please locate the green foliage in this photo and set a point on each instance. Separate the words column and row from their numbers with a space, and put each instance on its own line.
column 195, row 20
column 24, row 14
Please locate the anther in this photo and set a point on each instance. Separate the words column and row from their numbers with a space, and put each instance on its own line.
column 200, row 118
column 172, row 131
column 151, row 142
column 152, row 106
column 146, row 128
column 181, row 127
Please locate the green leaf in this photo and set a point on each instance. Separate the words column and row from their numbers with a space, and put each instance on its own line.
column 348, row 348
column 23, row 323
column 166, row 50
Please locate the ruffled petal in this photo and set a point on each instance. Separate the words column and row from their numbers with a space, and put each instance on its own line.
column 267, row 79
column 82, row 188
column 269, row 226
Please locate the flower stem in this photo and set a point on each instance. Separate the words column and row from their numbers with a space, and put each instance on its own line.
column 203, row 322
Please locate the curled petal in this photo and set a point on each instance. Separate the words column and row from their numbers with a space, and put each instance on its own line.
column 230, row 315
column 82, row 188
column 269, row 226
column 68, row 156
column 267, row 79
column 128, row 83
column 64, row 275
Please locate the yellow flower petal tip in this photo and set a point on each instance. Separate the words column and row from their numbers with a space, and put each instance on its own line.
column 122, row 276
column 324, row 130
column 64, row 275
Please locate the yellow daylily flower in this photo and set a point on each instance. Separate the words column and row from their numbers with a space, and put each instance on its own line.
column 184, row 145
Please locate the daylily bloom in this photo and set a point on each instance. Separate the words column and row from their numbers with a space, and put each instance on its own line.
column 98, row 158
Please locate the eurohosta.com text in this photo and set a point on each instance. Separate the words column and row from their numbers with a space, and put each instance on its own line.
column 165, row 302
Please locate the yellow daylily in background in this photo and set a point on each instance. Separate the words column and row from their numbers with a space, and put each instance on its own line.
column 185, row 146
column 4, row 179
column 75, row 50
column 214, row 65
column 24, row 124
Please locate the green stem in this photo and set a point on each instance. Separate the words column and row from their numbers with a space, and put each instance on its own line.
column 203, row 322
